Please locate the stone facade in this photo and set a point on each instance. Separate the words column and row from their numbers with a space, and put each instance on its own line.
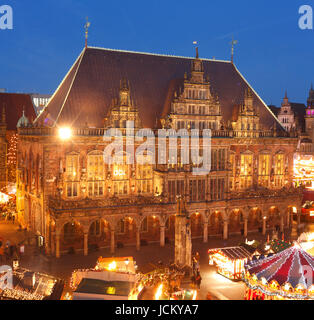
column 69, row 196
column 286, row 115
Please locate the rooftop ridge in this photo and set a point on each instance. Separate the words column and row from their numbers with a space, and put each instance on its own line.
column 156, row 54
column 263, row 102
column 61, row 83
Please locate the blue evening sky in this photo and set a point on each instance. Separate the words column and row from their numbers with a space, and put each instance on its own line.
column 48, row 35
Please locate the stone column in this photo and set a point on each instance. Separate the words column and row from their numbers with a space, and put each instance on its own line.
column 57, row 246
column 288, row 218
column 299, row 217
column 138, row 239
column 162, row 235
column 205, row 233
column 52, row 243
column 264, row 225
column 245, row 227
column 225, row 236
column 282, row 224
column 85, row 244
column 112, row 242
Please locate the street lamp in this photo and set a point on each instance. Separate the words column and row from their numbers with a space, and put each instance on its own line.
column 65, row 133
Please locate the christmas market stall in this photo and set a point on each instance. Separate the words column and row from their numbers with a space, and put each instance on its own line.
column 284, row 276
column 111, row 279
column 230, row 261
column 165, row 284
column 23, row 284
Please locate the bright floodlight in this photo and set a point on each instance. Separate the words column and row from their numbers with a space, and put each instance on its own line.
column 65, row 133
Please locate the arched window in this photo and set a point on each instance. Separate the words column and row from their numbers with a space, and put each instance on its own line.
column 120, row 174
column 264, row 169
column 95, row 173
column 94, row 229
column 72, row 175
column 144, row 225
column 246, row 172
column 279, row 169
column 121, row 226
column 144, row 175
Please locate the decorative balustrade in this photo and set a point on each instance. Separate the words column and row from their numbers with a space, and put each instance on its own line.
column 98, row 132
column 63, row 204
column 266, row 193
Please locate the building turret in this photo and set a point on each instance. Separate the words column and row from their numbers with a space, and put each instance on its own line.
column 23, row 121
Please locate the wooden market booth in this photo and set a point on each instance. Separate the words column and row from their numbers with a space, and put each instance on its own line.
column 230, row 262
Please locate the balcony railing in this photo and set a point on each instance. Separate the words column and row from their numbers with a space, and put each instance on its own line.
column 64, row 205
column 99, row 132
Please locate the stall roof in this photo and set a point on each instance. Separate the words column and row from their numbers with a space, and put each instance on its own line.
column 285, row 267
column 233, row 253
column 101, row 287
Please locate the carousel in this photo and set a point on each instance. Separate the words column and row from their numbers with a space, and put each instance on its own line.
column 287, row 275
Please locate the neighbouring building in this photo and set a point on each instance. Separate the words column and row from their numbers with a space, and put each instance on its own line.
column 12, row 106
column 291, row 115
column 71, row 198
column 299, row 118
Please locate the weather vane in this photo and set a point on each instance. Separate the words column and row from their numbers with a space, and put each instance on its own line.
column 233, row 43
column 87, row 25
column 196, row 43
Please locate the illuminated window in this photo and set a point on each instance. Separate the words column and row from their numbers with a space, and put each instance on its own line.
column 95, row 171
column 72, row 175
column 246, row 171
column 120, row 173
column 233, row 171
column 144, row 178
column 279, row 170
column 264, row 170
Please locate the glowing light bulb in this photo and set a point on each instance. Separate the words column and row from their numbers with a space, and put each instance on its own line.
column 65, row 133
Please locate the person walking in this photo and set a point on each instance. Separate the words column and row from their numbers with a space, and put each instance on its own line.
column 198, row 280
column 13, row 218
column 1, row 253
column 11, row 251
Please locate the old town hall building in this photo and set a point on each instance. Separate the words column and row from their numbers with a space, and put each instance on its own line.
column 73, row 200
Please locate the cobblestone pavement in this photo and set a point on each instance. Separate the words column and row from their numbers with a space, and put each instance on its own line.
column 219, row 287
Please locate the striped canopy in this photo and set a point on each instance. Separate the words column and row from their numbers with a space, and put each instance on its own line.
column 293, row 266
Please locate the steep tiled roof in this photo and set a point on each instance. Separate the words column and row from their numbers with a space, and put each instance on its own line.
column 14, row 103
column 86, row 92
column 274, row 109
column 299, row 111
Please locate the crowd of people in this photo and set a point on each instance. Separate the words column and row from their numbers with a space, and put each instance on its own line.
column 9, row 251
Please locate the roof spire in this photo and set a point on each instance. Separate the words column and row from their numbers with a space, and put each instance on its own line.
column 233, row 43
column 87, row 25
